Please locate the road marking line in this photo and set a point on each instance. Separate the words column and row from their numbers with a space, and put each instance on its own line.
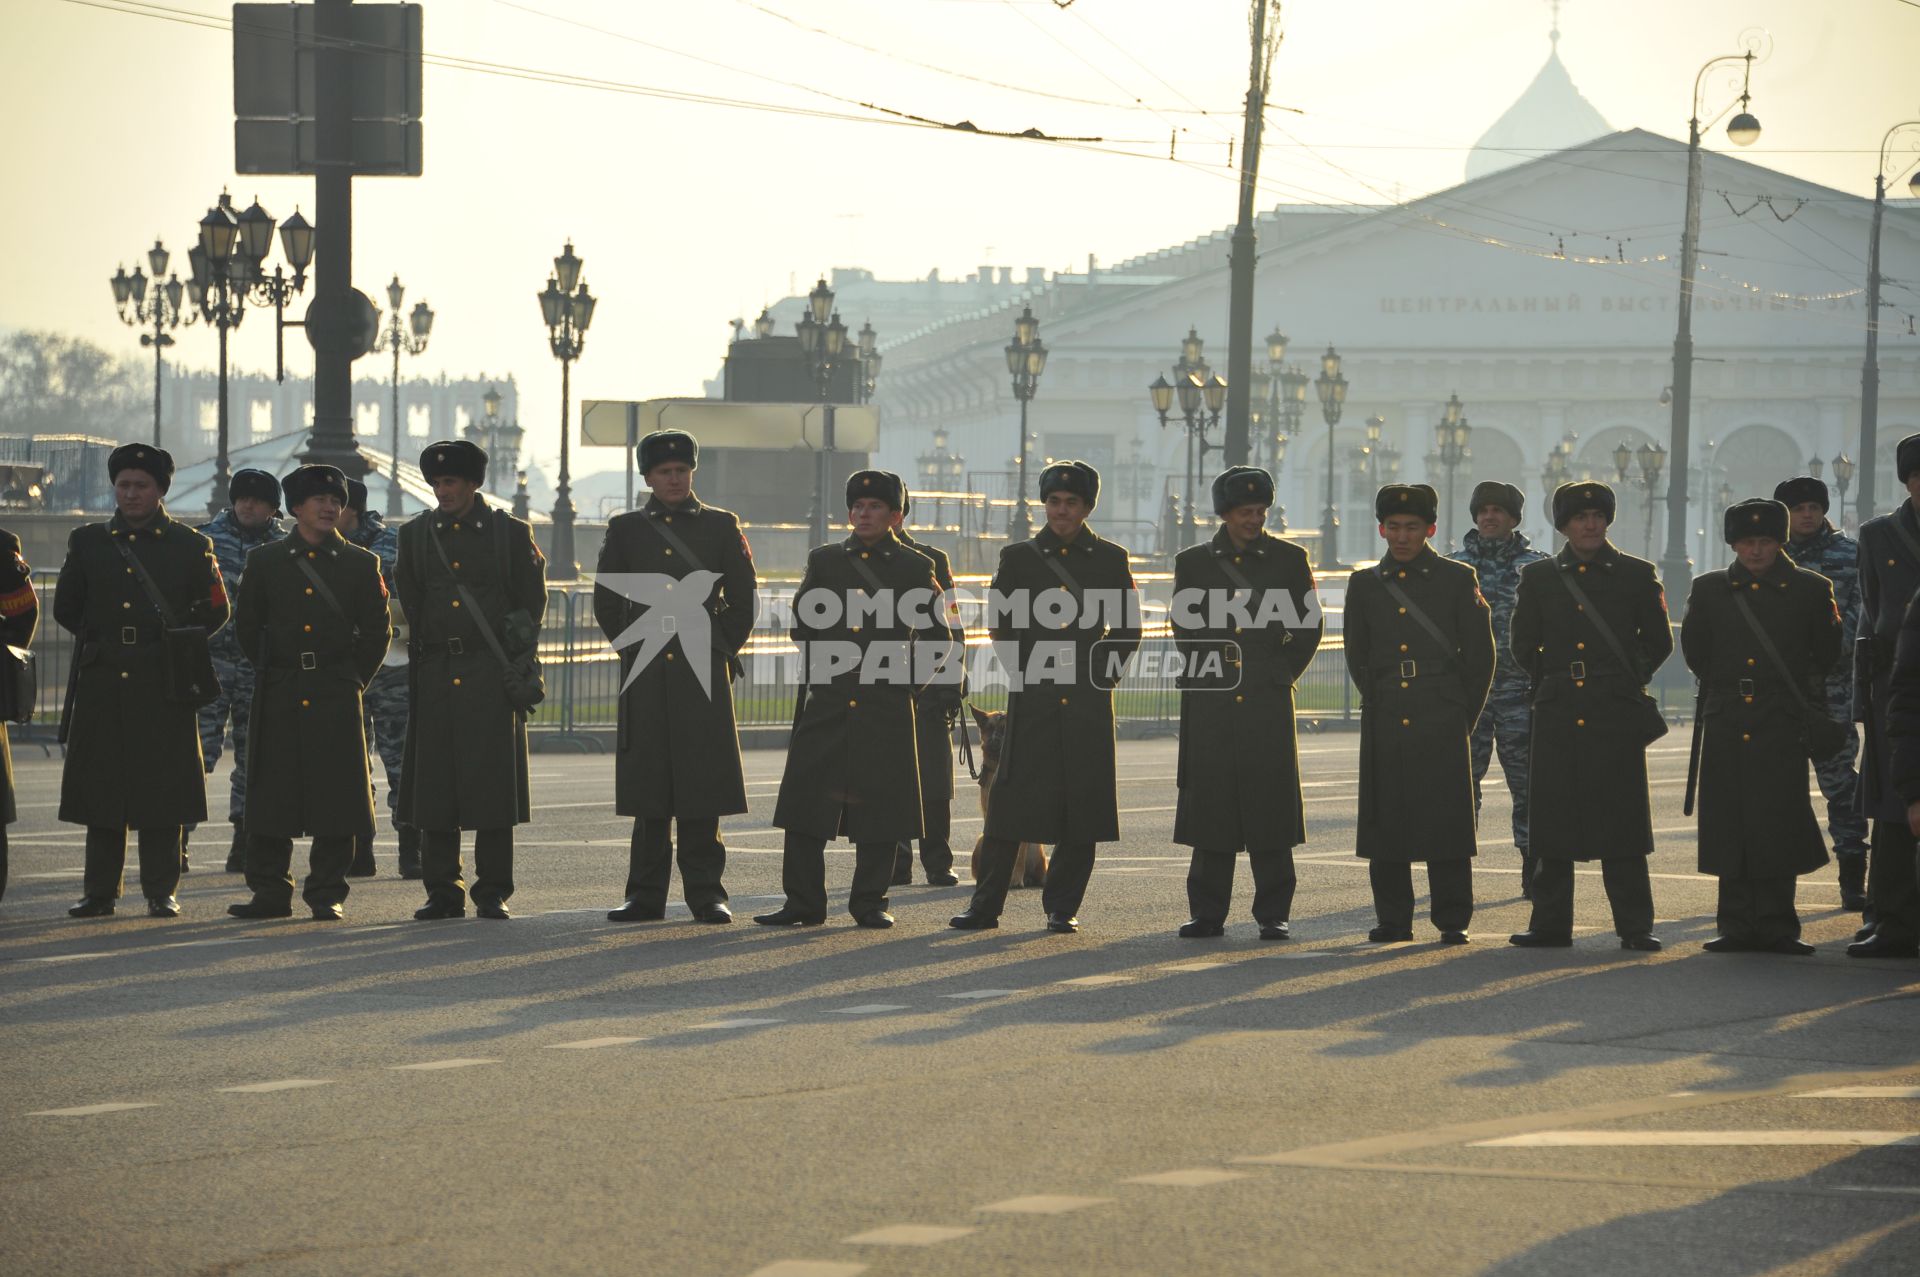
column 69, row 957
column 1863, row 1093
column 981, row 993
column 1199, row 1177
column 908, row 1235
column 1295, row 955
column 88, row 1110
column 1043, row 1204
column 261, row 1088
column 745, row 1022
column 1876, row 1188
column 588, row 1044
column 53, row 873
column 201, row 944
column 808, row 1268
column 441, row 1064
column 360, row 931
column 1700, row 1139
column 1193, row 966
column 1098, row 979
column 870, row 1008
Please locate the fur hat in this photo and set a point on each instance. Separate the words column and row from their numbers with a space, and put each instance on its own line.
column 456, row 457
column 666, row 445
column 1801, row 489
column 254, row 483
column 1755, row 517
column 311, row 481
column 1076, row 477
column 157, row 462
column 1580, row 496
column 1493, row 492
column 1407, row 498
column 1241, row 485
column 883, row 484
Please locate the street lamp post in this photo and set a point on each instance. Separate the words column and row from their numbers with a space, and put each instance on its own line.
column 823, row 341
column 1870, row 365
column 409, row 338
column 225, row 269
column 1452, row 436
column 1026, row 360
column 1843, row 471
column 1742, row 130
column 567, row 308
column 163, row 311
column 494, row 430
column 1652, row 458
column 1202, row 395
column 1331, row 386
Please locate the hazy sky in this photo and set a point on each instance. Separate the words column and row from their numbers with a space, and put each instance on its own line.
column 689, row 213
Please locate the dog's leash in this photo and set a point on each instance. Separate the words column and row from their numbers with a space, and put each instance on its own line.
column 966, row 742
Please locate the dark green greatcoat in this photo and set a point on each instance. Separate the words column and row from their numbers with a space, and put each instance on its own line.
column 1057, row 781
column 19, row 618
column 1756, row 820
column 133, row 757
column 1239, row 770
column 465, row 765
column 851, row 766
column 679, row 752
column 1420, row 699
column 935, row 706
column 1889, row 576
column 1589, row 754
column 307, row 754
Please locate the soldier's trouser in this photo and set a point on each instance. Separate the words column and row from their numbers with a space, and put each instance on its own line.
column 1629, row 895
column 270, row 869
column 1838, row 782
column 1758, row 910
column 1507, row 721
column 1210, row 884
column 936, row 849
column 1891, row 887
column 803, row 874
column 3, row 862
column 107, row 860
column 1449, row 882
column 703, row 858
column 234, row 702
column 441, row 871
column 1068, row 870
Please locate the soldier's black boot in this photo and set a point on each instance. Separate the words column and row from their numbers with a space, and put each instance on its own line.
column 409, row 851
column 1853, row 880
column 362, row 865
column 186, row 832
column 237, row 854
column 1526, row 877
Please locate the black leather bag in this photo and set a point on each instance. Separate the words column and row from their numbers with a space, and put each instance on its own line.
column 19, row 684
column 1820, row 736
column 521, row 678
column 1650, row 723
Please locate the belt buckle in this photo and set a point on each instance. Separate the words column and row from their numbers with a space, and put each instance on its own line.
column 129, row 635
column 1577, row 670
column 456, row 648
column 1746, row 687
column 309, row 661
column 1409, row 669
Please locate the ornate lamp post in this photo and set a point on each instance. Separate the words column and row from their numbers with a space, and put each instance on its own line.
column 1742, row 130
column 522, row 503
column 1452, row 438
column 1652, row 458
column 823, row 341
column 1843, row 471
column 763, row 326
column 868, row 354
column 567, row 308
column 162, row 312
column 1202, row 397
column 1026, row 360
column 494, row 431
column 1331, row 386
column 410, row 338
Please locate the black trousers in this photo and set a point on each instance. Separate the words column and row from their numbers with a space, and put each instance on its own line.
column 1629, row 895
column 803, row 875
column 3, row 862
column 270, row 869
column 1892, row 893
column 1758, row 910
column 936, row 847
column 1210, row 884
column 443, row 877
column 107, row 861
column 1068, row 871
column 1449, row 881
column 703, row 858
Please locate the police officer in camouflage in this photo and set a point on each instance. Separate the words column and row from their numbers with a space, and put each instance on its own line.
column 1816, row 545
column 1497, row 550
column 250, row 521
column 386, row 696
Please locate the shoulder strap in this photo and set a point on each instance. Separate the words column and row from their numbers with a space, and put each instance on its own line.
column 1405, row 600
column 867, row 573
column 326, row 594
column 1773, row 653
column 1592, row 613
column 466, row 596
column 1059, row 570
column 1236, row 576
column 1906, row 538
column 680, row 547
column 140, row 573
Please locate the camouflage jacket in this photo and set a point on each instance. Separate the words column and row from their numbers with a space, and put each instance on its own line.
column 374, row 534
column 1499, row 564
column 1836, row 556
column 231, row 545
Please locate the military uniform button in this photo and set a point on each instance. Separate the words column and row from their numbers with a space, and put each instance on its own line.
column 1580, row 647
column 456, row 602
column 456, row 682
column 305, row 703
column 852, row 704
column 1404, row 684
column 1750, row 660
column 307, row 629
column 1236, row 629
column 1579, row 722
column 1579, row 607
column 456, row 526
column 1581, row 568
column 1579, row 682
column 126, row 605
column 856, row 629
column 1063, row 700
column 1406, row 722
column 1746, row 736
column 1753, row 585
column 669, row 554
column 124, row 674
column 1747, row 699
column 310, row 591
column 863, row 554
column 669, row 655
column 1403, row 574
column 1238, row 698
column 311, row 554
column 1403, row 611
column 1403, row 647
column 456, row 565
column 669, row 518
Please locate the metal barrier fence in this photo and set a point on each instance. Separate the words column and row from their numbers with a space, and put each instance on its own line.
column 583, row 679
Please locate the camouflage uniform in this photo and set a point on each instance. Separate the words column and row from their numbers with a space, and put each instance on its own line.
column 1507, row 721
column 1836, row 556
column 231, row 545
column 386, row 695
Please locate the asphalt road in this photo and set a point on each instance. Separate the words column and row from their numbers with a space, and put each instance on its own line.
column 561, row 1094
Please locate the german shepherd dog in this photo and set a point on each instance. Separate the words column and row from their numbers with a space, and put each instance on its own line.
column 1030, row 861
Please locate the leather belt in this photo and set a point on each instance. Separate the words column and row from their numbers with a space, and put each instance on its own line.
column 451, row 647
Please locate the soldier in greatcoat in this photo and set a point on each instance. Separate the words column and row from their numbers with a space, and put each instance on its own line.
column 1239, row 763
column 1066, row 614
column 1590, row 628
column 1889, row 576
column 311, row 618
column 1419, row 646
column 868, row 624
column 678, row 752
column 936, row 707
column 132, row 736
column 19, row 617
column 1760, row 634
column 1903, row 720
column 465, row 565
